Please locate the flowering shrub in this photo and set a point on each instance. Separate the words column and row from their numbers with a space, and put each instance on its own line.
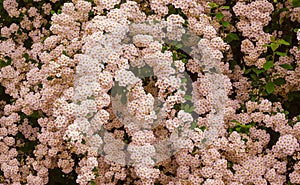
column 149, row 92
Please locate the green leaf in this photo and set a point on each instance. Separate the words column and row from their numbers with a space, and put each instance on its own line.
column 219, row 16
column 238, row 129
column 213, row 5
column 95, row 169
column 185, row 60
column 172, row 9
column 93, row 183
column 281, row 41
column 164, row 48
column 203, row 128
column 269, row 64
column 274, row 46
column 296, row 30
column 225, row 23
column 258, row 71
column 193, row 125
column 65, row 53
column 254, row 77
column 231, row 37
column 175, row 57
column 178, row 46
column 272, row 39
column 235, row 121
column 296, row 3
column 279, row 81
column 247, row 71
column 183, row 80
column 225, row 7
column 192, row 108
column 281, row 53
column 287, row 66
column 123, row 99
column 270, row 87
column 3, row 64
column 186, row 108
column 26, row 56
column 187, row 97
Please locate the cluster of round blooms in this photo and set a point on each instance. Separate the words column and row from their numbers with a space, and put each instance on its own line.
column 185, row 117
column 86, row 174
column 286, row 145
column 172, row 124
column 107, row 4
column 11, row 6
column 251, row 25
column 125, row 78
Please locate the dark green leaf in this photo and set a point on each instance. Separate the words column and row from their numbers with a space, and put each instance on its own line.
column 270, row 87
column 258, row 71
column 95, row 169
column 279, row 81
column 65, row 53
column 269, row 64
column 247, row 71
column 231, row 37
column 296, row 3
column 203, row 128
column 287, row 66
column 175, row 57
column 3, row 63
column 26, row 56
column 254, row 77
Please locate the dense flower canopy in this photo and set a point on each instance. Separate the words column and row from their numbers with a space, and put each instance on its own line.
column 149, row 92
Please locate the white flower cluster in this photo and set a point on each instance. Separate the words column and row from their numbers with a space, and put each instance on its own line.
column 106, row 59
column 125, row 78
